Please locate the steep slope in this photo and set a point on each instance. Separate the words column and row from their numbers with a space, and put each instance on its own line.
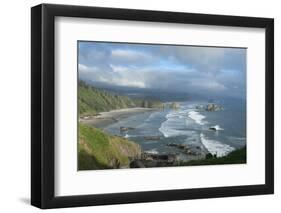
column 99, row 150
column 93, row 100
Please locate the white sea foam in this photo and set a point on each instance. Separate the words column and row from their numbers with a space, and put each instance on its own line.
column 197, row 117
column 217, row 127
column 216, row 147
column 180, row 122
column 168, row 132
column 175, row 124
column 131, row 136
column 126, row 136
column 152, row 151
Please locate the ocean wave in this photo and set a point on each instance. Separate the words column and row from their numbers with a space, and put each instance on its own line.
column 152, row 151
column 132, row 136
column 177, row 114
column 175, row 125
column 178, row 123
column 215, row 147
column 197, row 117
column 169, row 132
column 127, row 136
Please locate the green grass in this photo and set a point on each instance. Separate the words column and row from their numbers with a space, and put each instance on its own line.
column 88, row 161
column 235, row 157
column 99, row 150
column 92, row 101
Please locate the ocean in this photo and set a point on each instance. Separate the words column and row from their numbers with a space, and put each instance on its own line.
column 188, row 126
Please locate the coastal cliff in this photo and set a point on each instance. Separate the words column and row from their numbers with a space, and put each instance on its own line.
column 99, row 150
column 92, row 101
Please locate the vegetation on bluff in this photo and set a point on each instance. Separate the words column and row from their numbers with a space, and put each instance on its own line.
column 99, row 150
column 235, row 157
column 92, row 100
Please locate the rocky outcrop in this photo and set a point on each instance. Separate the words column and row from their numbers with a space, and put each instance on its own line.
column 174, row 105
column 183, row 147
column 213, row 128
column 137, row 164
column 211, row 107
column 200, row 107
column 216, row 128
column 148, row 160
column 124, row 129
column 153, row 138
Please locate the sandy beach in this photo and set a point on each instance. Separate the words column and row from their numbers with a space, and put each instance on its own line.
column 106, row 118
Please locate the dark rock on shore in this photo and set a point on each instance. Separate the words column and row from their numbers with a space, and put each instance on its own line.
column 213, row 128
column 165, row 157
column 137, row 164
column 151, row 163
column 148, row 160
column 180, row 146
column 124, row 129
column 152, row 137
column 185, row 148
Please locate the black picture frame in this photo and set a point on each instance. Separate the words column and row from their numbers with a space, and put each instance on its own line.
column 43, row 102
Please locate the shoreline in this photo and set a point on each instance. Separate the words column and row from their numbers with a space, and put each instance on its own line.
column 103, row 119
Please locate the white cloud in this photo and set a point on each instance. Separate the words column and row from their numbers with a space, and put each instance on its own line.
column 120, row 76
column 116, row 68
column 130, row 56
column 124, row 76
column 129, row 83
column 207, row 84
column 82, row 67
column 171, row 68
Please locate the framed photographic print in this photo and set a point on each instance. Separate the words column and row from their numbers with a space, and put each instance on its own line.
column 140, row 106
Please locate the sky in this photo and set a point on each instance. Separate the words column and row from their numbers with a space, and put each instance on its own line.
column 174, row 68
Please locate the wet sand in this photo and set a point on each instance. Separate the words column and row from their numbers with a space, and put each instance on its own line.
column 106, row 118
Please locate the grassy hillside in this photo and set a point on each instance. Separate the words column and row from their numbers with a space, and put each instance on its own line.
column 92, row 100
column 236, row 157
column 99, row 150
